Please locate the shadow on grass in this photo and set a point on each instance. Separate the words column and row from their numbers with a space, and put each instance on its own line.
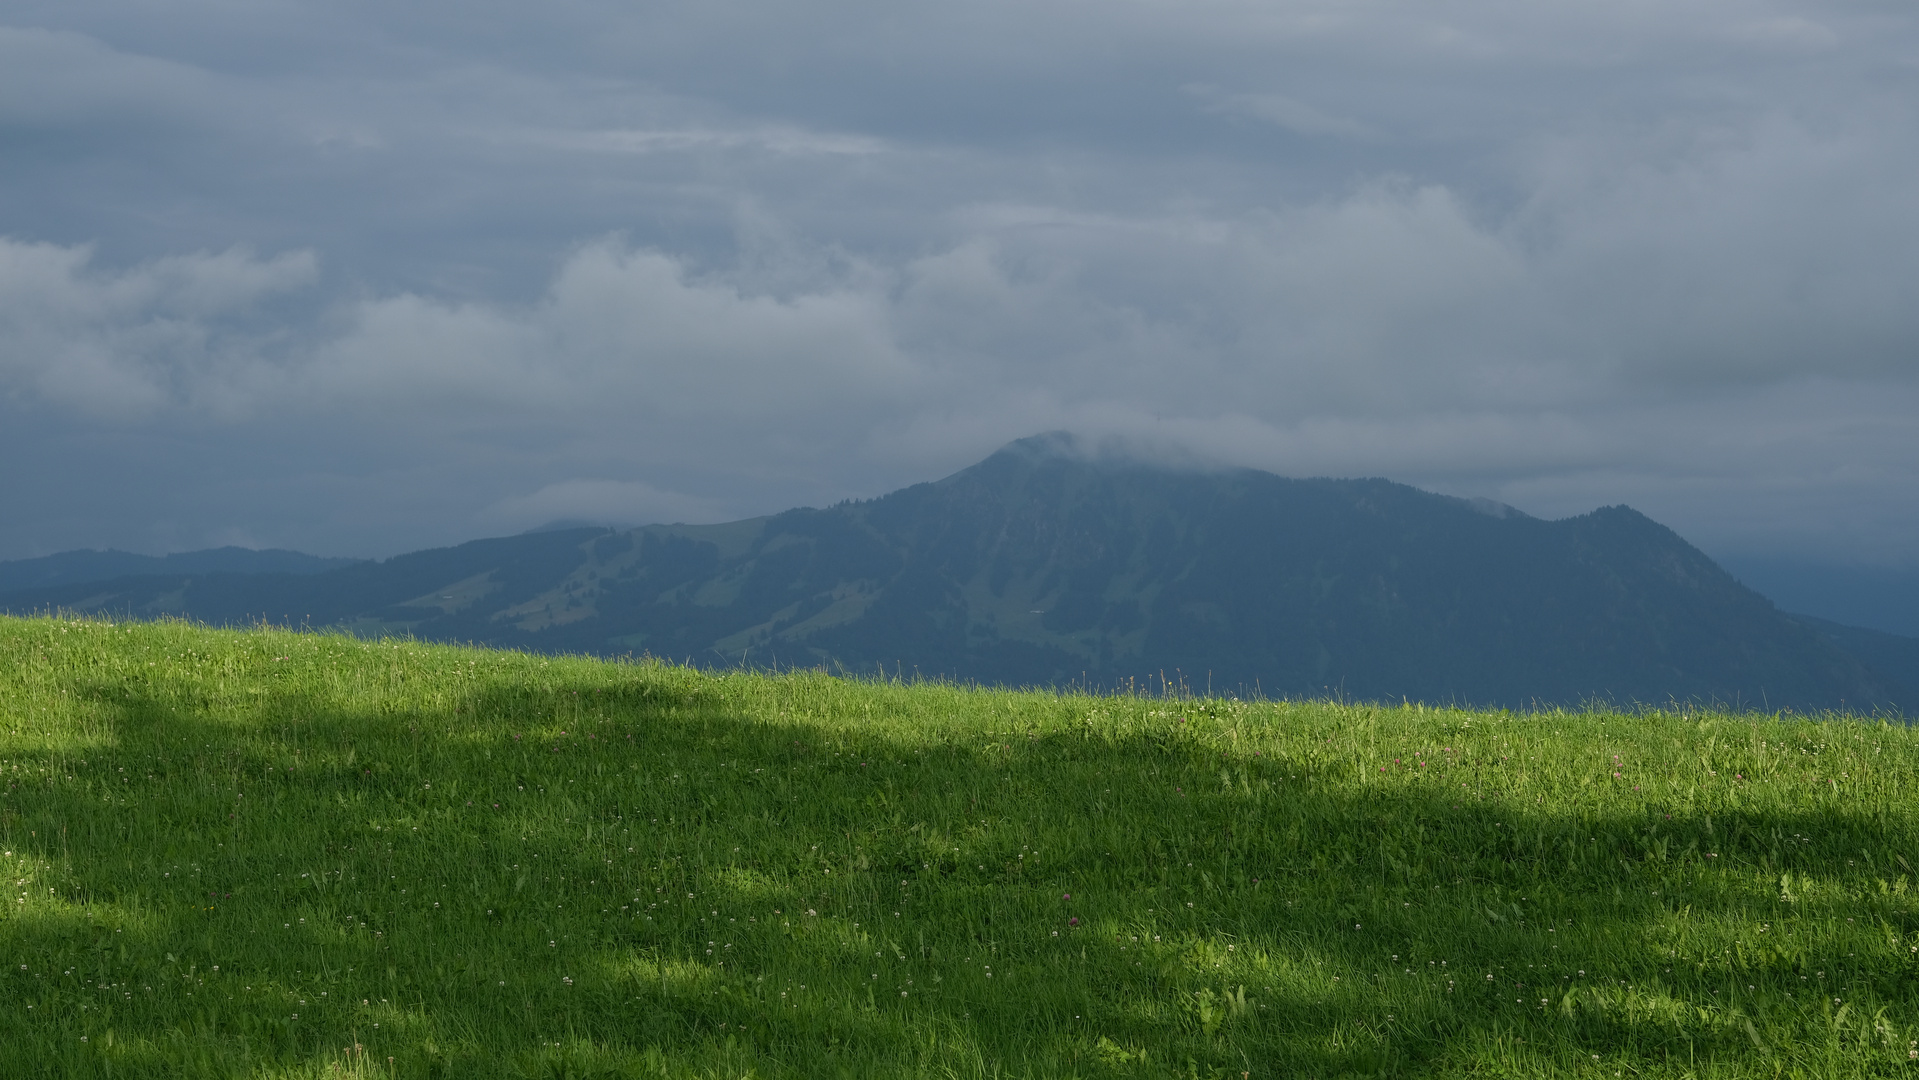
column 827, row 898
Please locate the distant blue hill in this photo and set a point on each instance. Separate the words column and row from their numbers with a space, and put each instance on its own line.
column 1880, row 597
column 80, row 567
column 1893, row 656
column 1046, row 565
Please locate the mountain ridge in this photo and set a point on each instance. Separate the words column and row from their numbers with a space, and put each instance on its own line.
column 92, row 565
column 1047, row 564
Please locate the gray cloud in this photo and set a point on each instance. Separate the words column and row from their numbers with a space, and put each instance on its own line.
column 128, row 344
column 611, row 502
column 1289, row 113
column 353, row 278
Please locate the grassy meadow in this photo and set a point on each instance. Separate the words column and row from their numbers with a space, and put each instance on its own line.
column 270, row 853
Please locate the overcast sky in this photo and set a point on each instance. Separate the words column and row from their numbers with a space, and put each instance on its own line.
column 358, row 278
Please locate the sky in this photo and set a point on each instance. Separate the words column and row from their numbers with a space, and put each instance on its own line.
column 359, row 278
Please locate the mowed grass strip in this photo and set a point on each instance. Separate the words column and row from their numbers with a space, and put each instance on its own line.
column 271, row 853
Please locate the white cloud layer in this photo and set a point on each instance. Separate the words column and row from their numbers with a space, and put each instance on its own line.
column 167, row 334
column 697, row 261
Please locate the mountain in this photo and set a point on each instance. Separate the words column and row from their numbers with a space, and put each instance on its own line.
column 1045, row 565
column 1883, row 598
column 1895, row 657
column 74, row 567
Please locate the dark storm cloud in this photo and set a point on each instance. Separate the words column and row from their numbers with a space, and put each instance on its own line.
column 347, row 277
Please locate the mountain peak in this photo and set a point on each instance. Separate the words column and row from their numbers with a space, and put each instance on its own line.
column 1048, row 445
column 1114, row 451
column 1063, row 560
column 1494, row 509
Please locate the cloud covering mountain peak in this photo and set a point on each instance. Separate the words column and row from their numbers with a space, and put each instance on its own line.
column 352, row 278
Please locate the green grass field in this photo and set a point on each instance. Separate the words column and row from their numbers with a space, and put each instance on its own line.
column 279, row 854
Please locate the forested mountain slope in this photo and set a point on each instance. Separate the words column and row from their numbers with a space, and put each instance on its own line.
column 1041, row 565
